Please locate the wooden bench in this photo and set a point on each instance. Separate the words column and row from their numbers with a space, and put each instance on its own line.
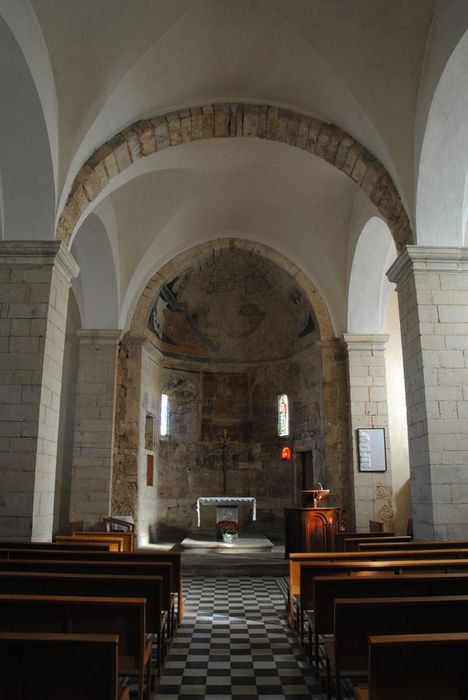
column 295, row 560
column 352, row 544
column 356, row 620
column 64, row 546
column 397, row 567
column 115, row 542
column 125, row 617
column 340, row 537
column 100, row 585
column 40, row 666
column 104, row 566
column 328, row 588
column 146, row 555
column 413, row 544
column 429, row 667
column 126, row 537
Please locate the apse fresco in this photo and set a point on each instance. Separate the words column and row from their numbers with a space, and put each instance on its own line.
column 232, row 306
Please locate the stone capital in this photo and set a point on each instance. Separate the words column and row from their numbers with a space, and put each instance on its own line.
column 100, row 336
column 418, row 258
column 370, row 342
column 39, row 253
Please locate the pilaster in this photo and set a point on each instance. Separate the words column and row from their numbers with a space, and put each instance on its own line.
column 369, row 409
column 93, row 442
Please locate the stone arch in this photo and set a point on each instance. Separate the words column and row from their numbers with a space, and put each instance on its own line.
column 324, row 140
column 172, row 268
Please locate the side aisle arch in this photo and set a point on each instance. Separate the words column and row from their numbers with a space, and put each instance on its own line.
column 148, row 136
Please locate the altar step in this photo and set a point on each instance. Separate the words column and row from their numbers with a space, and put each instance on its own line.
column 218, row 561
column 243, row 545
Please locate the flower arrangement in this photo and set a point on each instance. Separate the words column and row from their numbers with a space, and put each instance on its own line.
column 228, row 527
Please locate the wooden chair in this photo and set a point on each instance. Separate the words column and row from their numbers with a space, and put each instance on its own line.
column 41, row 666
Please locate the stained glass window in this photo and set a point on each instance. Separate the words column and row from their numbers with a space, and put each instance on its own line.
column 164, row 425
column 283, row 416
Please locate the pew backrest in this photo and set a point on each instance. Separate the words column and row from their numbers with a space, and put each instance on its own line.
column 413, row 544
column 113, row 567
column 114, row 542
column 356, row 620
column 352, row 544
column 429, row 666
column 340, row 537
column 97, row 585
column 309, row 570
column 37, row 666
column 126, row 537
column 329, row 588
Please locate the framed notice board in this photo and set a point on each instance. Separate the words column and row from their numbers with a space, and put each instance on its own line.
column 371, row 448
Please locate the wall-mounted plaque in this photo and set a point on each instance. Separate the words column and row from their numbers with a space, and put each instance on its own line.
column 371, row 446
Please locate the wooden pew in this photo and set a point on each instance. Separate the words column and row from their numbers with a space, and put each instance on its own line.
column 430, row 667
column 295, row 560
column 413, row 544
column 115, row 542
column 356, row 620
column 351, row 544
column 125, row 617
column 100, row 585
column 40, row 666
column 396, row 567
column 146, row 555
column 105, row 566
column 58, row 546
column 329, row 588
column 126, row 537
column 340, row 537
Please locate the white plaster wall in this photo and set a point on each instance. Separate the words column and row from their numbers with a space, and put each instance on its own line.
column 398, row 429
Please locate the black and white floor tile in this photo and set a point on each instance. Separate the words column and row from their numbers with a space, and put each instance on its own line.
column 235, row 643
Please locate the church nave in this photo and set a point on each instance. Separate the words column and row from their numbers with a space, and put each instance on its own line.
column 235, row 642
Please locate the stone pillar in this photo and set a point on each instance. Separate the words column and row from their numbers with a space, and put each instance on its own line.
column 368, row 409
column 432, row 285
column 34, row 284
column 93, row 441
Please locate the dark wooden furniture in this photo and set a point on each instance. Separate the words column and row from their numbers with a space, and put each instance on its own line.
column 124, row 617
column 412, row 544
column 110, row 567
column 295, row 560
column 100, row 585
column 115, row 541
column 430, row 667
column 41, row 666
column 341, row 536
column 126, row 537
column 351, row 544
column 356, row 620
column 309, row 570
column 151, row 554
column 310, row 529
column 57, row 546
column 328, row 588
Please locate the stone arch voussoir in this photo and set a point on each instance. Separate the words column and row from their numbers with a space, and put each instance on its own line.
column 149, row 136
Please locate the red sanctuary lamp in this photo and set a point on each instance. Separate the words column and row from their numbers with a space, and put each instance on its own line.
column 286, row 454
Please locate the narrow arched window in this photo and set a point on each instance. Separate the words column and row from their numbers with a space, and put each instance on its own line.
column 283, row 415
column 164, row 424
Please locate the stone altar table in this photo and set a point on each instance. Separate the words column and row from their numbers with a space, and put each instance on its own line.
column 225, row 502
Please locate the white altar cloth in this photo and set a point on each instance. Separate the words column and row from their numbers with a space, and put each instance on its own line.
column 225, row 501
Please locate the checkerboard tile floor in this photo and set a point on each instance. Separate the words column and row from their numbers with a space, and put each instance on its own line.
column 235, row 642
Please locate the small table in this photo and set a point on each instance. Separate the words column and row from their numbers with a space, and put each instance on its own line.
column 222, row 502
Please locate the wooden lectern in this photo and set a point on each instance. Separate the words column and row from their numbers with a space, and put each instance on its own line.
column 311, row 529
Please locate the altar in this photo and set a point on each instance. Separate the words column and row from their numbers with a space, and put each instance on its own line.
column 226, row 507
